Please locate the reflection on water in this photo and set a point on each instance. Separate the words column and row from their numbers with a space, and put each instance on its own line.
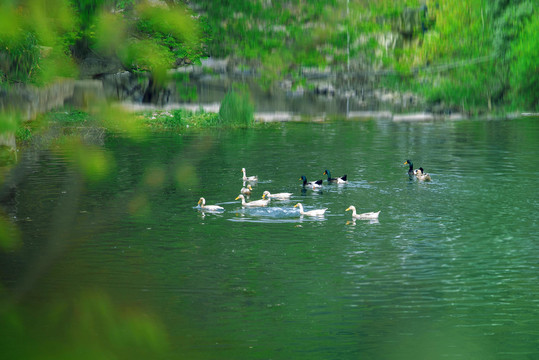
column 448, row 271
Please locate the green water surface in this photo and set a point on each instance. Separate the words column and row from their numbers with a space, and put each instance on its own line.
column 449, row 271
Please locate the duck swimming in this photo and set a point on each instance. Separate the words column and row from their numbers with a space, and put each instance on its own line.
column 252, row 203
column 317, row 212
column 338, row 180
column 278, row 196
column 410, row 169
column 246, row 190
column 203, row 206
column 421, row 175
column 313, row 184
column 248, row 178
column 364, row 216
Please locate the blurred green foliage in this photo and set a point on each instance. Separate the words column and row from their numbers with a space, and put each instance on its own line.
column 9, row 122
column 84, row 326
column 34, row 37
column 42, row 40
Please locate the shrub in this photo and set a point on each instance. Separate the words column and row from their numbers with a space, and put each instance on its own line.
column 236, row 110
column 20, row 62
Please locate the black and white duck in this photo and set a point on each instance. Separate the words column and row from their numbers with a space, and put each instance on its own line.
column 313, row 184
column 410, row 169
column 421, row 175
column 337, row 180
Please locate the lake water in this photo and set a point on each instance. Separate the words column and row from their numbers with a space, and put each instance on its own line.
column 449, row 271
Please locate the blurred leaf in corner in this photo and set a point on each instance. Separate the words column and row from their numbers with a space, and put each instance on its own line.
column 110, row 33
column 186, row 176
column 50, row 19
column 10, row 23
column 93, row 162
column 56, row 64
column 155, row 177
column 175, row 21
column 146, row 55
column 116, row 119
column 87, row 325
column 9, row 122
column 139, row 205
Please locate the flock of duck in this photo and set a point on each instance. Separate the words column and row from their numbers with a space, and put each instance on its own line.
column 247, row 189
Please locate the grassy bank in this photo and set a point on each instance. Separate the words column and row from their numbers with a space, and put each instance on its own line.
column 236, row 111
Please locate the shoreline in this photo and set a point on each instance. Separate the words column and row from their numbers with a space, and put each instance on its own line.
column 289, row 116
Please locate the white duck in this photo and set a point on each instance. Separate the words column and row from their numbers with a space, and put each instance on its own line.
column 248, row 178
column 203, row 206
column 246, row 190
column 420, row 175
column 252, row 203
column 317, row 212
column 364, row 216
column 278, row 196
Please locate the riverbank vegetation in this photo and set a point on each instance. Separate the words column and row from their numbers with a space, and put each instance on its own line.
column 473, row 55
column 236, row 111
